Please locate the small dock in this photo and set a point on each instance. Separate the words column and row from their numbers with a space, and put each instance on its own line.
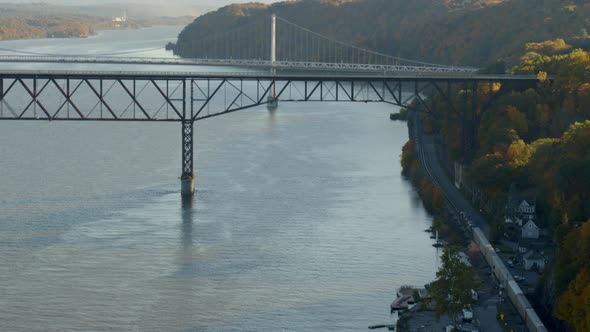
column 391, row 327
column 402, row 303
column 405, row 298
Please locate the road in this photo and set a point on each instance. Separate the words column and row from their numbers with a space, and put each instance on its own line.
column 427, row 150
column 248, row 72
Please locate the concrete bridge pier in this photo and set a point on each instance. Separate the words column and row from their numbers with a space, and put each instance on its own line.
column 187, row 186
column 187, row 180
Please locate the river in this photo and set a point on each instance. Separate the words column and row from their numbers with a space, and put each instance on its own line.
column 301, row 220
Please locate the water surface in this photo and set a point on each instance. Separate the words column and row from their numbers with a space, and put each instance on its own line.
column 301, row 220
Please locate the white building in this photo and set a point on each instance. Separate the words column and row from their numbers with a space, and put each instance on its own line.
column 520, row 209
column 533, row 259
column 513, row 220
column 530, row 230
column 525, row 207
column 121, row 19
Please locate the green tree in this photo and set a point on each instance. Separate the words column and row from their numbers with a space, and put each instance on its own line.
column 518, row 153
column 517, row 120
column 451, row 290
column 489, row 171
column 574, row 304
column 548, row 46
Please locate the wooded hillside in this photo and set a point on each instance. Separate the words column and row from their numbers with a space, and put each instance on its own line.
column 42, row 20
column 536, row 138
column 442, row 31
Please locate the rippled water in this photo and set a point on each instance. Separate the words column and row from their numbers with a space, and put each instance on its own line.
column 301, row 220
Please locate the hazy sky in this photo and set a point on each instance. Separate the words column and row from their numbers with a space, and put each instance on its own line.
column 149, row 7
column 208, row 3
column 173, row 7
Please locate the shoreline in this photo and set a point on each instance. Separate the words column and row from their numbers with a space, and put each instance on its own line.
column 492, row 302
column 96, row 33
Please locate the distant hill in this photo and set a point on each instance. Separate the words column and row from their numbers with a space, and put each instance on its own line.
column 467, row 32
column 106, row 9
column 41, row 20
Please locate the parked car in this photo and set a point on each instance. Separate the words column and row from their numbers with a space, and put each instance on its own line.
column 467, row 315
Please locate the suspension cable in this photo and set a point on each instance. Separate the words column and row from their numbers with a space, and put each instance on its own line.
column 337, row 42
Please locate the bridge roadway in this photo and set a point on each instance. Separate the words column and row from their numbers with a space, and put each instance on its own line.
column 264, row 75
column 256, row 63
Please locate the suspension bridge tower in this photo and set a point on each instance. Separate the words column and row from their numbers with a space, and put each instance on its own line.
column 272, row 99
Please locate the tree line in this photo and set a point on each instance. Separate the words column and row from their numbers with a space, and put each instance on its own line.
column 44, row 27
column 535, row 138
column 448, row 32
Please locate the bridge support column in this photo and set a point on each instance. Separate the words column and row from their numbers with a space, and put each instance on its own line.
column 465, row 128
column 272, row 99
column 187, row 180
column 469, row 122
column 1, row 97
column 273, row 41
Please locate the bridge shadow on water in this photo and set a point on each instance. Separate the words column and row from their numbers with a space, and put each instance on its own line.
column 186, row 213
column 272, row 118
column 186, row 266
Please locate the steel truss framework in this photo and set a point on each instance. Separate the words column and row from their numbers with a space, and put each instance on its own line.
column 190, row 98
column 187, row 149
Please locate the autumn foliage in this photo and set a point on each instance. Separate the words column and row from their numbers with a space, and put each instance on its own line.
column 574, row 304
column 537, row 138
column 464, row 32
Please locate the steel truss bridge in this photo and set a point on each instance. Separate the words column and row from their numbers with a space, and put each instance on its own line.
column 189, row 97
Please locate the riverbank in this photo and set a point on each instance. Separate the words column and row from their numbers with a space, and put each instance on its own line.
column 444, row 221
column 74, row 26
column 418, row 158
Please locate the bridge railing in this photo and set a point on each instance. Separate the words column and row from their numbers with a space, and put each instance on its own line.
column 291, row 65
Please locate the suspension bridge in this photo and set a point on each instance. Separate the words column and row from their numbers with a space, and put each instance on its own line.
column 264, row 64
column 292, row 47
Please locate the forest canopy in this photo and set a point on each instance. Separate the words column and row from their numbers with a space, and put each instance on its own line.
column 474, row 33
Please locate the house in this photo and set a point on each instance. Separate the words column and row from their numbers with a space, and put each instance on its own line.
column 530, row 230
column 525, row 208
column 520, row 209
column 534, row 259
column 513, row 220
column 524, row 246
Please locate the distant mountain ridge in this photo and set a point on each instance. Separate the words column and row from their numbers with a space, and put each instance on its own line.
column 42, row 20
column 466, row 32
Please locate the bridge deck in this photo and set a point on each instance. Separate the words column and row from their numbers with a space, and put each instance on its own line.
column 253, row 75
column 254, row 63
